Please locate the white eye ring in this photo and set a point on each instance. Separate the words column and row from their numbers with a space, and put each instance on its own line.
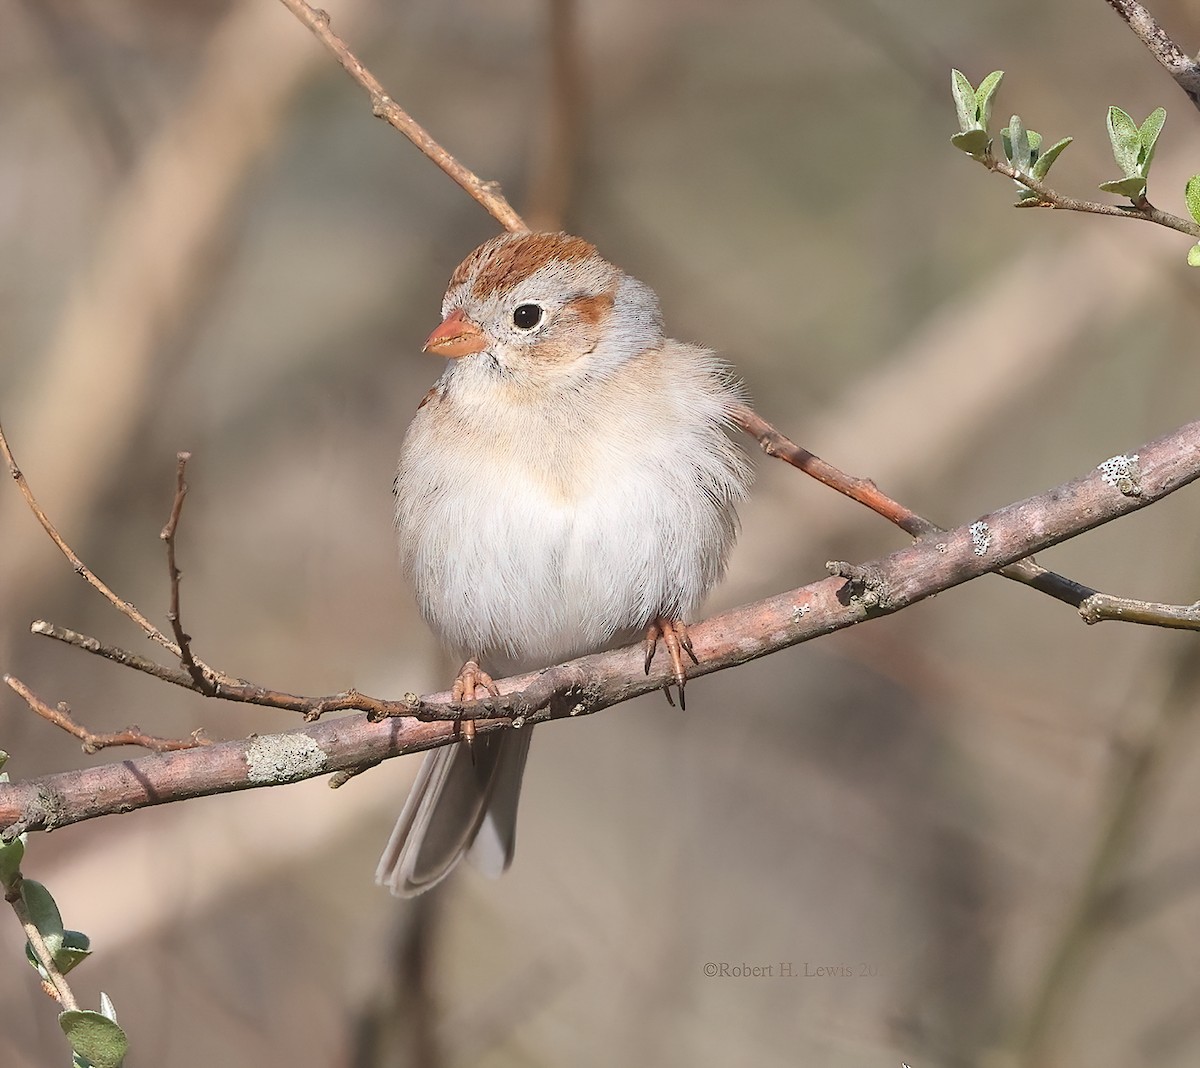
column 528, row 316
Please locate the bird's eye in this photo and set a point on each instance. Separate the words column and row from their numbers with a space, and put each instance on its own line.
column 527, row 316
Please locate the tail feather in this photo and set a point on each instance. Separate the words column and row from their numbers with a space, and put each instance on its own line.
column 455, row 804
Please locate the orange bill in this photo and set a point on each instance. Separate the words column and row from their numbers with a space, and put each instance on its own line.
column 456, row 336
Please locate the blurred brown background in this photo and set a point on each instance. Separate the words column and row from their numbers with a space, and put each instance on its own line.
column 212, row 245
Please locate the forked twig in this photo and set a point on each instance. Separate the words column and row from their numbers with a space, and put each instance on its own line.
column 92, row 741
column 239, row 691
column 182, row 639
column 126, row 608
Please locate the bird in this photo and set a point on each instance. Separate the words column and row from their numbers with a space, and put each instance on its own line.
column 569, row 484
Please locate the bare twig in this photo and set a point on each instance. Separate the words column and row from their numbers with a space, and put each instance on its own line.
column 862, row 490
column 865, row 492
column 1049, row 198
column 92, row 741
column 124, row 607
column 124, row 657
column 1101, row 606
column 182, row 639
column 592, row 683
column 59, row 986
column 1181, row 67
column 486, row 193
column 239, row 691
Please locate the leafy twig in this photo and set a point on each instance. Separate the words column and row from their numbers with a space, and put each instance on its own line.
column 1045, row 197
column 45, row 958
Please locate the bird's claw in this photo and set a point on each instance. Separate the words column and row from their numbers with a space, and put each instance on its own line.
column 470, row 678
column 674, row 635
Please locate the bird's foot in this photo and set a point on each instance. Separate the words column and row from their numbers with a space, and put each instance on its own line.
column 471, row 677
column 674, row 635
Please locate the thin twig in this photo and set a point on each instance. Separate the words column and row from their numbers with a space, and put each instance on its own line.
column 774, row 443
column 1101, row 606
column 58, row 983
column 126, row 608
column 124, row 657
column 1049, row 198
column 1181, row 67
column 239, row 691
column 486, row 193
column 865, row 492
column 92, row 741
column 182, row 639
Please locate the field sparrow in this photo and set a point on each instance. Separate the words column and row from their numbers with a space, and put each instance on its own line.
column 567, row 485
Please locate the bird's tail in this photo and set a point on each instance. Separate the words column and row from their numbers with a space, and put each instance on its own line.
column 458, row 805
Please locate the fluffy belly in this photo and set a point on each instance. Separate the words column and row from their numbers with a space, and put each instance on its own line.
column 511, row 586
column 533, row 579
column 533, row 547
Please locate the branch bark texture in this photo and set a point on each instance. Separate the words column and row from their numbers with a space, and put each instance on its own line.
column 855, row 594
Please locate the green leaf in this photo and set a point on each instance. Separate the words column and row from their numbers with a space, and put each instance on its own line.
column 1191, row 194
column 1134, row 187
column 1017, row 146
column 964, row 100
column 983, row 98
column 44, row 913
column 1126, row 140
column 107, row 1008
column 95, row 1037
column 1045, row 160
column 1194, row 256
column 10, row 860
column 972, row 142
column 75, row 948
column 3, row 760
column 1148, row 136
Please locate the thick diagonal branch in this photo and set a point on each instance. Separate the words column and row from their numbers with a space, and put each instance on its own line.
column 1177, row 63
column 595, row 682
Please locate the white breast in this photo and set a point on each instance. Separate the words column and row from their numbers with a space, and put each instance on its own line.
column 535, row 532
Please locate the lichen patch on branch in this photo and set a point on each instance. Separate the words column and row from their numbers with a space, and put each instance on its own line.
column 280, row 758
